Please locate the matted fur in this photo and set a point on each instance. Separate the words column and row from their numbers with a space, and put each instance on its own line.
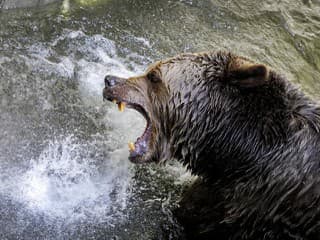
column 248, row 132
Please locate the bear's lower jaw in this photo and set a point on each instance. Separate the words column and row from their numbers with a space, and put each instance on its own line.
column 139, row 149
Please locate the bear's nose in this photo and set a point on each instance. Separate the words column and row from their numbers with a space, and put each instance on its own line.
column 110, row 81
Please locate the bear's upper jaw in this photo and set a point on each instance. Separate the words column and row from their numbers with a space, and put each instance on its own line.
column 140, row 147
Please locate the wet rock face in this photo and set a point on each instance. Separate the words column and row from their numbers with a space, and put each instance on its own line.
column 8, row 4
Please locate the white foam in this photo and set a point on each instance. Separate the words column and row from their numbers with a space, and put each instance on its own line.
column 144, row 41
column 66, row 182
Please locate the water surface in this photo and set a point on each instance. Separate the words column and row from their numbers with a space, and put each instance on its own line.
column 63, row 151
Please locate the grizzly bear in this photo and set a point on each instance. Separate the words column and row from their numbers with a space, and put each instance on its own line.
column 251, row 136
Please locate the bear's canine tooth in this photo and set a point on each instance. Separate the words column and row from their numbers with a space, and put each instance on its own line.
column 121, row 106
column 114, row 101
column 131, row 146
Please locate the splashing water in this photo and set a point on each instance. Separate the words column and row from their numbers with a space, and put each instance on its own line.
column 64, row 171
column 67, row 182
column 74, row 178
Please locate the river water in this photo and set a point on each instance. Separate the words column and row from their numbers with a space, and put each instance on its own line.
column 63, row 151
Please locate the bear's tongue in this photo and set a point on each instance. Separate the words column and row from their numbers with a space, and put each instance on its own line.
column 140, row 146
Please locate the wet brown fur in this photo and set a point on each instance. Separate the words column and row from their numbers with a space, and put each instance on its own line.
column 249, row 133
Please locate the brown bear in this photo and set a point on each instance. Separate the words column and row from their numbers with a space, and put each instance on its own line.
column 252, row 137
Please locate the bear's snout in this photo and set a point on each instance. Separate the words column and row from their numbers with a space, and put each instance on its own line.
column 111, row 81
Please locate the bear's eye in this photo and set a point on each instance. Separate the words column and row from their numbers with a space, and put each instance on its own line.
column 153, row 77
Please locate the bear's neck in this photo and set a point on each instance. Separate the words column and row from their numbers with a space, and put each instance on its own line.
column 225, row 138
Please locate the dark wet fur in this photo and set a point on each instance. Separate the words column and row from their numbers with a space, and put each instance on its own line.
column 252, row 137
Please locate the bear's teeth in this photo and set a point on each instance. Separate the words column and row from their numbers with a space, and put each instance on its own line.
column 121, row 106
column 131, row 146
column 114, row 101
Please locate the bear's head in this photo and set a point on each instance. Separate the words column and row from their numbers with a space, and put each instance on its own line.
column 203, row 109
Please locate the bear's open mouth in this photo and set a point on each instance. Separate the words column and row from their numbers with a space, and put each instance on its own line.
column 140, row 147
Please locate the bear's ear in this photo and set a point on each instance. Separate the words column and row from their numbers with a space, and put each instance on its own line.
column 244, row 73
